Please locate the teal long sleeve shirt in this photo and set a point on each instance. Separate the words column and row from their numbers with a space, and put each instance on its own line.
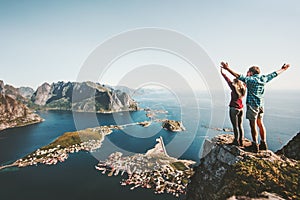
column 256, row 88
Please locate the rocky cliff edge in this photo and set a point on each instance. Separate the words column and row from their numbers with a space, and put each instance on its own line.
column 229, row 172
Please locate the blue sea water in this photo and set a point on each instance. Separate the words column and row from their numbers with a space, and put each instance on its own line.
column 77, row 179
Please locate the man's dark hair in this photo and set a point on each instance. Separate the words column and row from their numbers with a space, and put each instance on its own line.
column 254, row 70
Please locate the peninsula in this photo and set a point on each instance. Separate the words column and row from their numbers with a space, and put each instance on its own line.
column 155, row 169
column 58, row 151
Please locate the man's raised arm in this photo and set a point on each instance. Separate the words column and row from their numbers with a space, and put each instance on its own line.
column 283, row 68
column 226, row 67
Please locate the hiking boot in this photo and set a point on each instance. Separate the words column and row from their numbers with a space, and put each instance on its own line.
column 235, row 142
column 254, row 147
column 263, row 146
column 241, row 144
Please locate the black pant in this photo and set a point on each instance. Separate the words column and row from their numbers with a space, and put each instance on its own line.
column 236, row 118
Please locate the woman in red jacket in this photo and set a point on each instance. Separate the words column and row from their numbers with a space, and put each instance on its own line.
column 238, row 91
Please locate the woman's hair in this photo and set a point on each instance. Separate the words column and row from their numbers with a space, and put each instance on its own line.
column 239, row 87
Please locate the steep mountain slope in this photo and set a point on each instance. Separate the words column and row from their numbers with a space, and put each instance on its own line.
column 13, row 112
column 85, row 97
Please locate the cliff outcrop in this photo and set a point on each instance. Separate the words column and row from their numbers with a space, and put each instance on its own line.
column 292, row 148
column 22, row 94
column 227, row 171
column 41, row 95
column 13, row 112
column 26, row 92
column 84, row 97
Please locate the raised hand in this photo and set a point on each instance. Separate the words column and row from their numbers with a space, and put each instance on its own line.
column 224, row 65
column 285, row 66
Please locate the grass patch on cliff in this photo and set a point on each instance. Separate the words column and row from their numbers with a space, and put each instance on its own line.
column 178, row 166
column 254, row 176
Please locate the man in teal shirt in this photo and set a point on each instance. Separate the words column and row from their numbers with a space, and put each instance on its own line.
column 255, row 100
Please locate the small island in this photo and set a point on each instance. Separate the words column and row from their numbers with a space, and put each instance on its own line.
column 145, row 123
column 172, row 125
column 154, row 114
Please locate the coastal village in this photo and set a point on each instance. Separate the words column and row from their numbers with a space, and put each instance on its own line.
column 155, row 170
column 57, row 154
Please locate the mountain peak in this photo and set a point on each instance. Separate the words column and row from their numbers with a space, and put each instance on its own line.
column 86, row 96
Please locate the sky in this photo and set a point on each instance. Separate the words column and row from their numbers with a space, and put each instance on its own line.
column 49, row 41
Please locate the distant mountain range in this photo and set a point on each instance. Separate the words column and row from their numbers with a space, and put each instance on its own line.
column 17, row 104
column 82, row 97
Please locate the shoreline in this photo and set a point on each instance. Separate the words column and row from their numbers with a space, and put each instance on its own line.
column 22, row 125
column 14, row 164
column 84, row 111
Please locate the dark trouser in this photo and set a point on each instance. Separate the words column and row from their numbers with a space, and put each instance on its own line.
column 236, row 118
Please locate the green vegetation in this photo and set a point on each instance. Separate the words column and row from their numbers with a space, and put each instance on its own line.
column 68, row 139
column 21, row 122
column 34, row 106
column 71, row 138
column 60, row 104
column 101, row 108
column 254, row 176
column 179, row 166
